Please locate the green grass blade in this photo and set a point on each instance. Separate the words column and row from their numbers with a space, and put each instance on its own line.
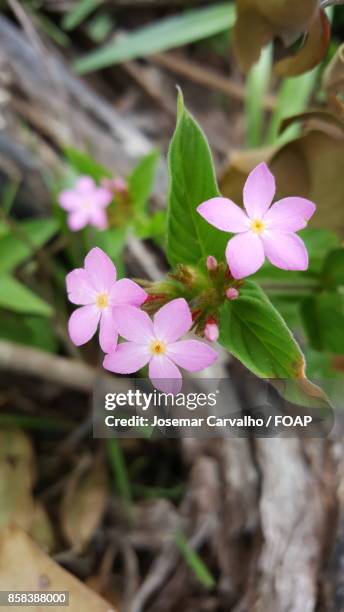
column 293, row 98
column 79, row 13
column 165, row 34
column 256, row 88
column 194, row 561
column 119, row 470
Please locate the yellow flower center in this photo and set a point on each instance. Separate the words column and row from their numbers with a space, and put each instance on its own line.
column 257, row 226
column 102, row 300
column 157, row 347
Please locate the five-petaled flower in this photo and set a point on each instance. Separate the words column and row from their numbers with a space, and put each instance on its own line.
column 97, row 291
column 86, row 204
column 157, row 343
column 263, row 230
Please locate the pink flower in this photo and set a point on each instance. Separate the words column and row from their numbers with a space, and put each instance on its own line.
column 86, row 204
column 95, row 288
column 211, row 330
column 155, row 342
column 115, row 185
column 232, row 293
column 263, row 230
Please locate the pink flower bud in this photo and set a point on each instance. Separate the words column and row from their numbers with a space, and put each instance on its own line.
column 211, row 330
column 120, row 185
column 211, row 263
column 115, row 185
column 232, row 293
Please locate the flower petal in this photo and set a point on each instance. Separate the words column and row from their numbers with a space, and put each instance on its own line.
column 244, row 254
column 172, row 320
column 79, row 288
column 102, row 197
column 85, row 184
column 69, row 200
column 133, row 324
column 259, row 191
column 224, row 214
column 285, row 250
column 101, row 270
column 164, row 375
column 191, row 355
column 108, row 334
column 77, row 220
column 98, row 218
column 82, row 324
column 127, row 358
column 290, row 214
column 125, row 291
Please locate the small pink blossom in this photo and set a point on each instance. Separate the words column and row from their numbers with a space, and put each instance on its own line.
column 211, row 330
column 96, row 289
column 263, row 230
column 116, row 185
column 155, row 343
column 86, row 204
column 232, row 293
column 211, row 263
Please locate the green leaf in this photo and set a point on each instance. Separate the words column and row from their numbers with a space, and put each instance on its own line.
column 27, row 329
column 333, row 270
column 80, row 12
column 323, row 318
column 320, row 365
column 190, row 239
column 164, row 34
column 255, row 333
column 16, row 297
column 14, row 249
column 141, row 180
column 153, row 226
column 85, row 164
column 110, row 240
column 319, row 243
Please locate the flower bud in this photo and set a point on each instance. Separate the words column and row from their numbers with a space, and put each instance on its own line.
column 211, row 330
column 211, row 263
column 115, row 185
column 232, row 293
column 120, row 185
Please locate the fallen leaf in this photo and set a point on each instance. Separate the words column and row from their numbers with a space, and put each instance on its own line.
column 262, row 21
column 311, row 52
column 84, row 501
column 17, row 474
column 25, row 567
column 333, row 79
column 41, row 528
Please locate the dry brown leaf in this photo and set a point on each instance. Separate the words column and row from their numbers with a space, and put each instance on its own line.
column 41, row 529
column 17, row 474
column 311, row 52
column 25, row 567
column 333, row 79
column 261, row 21
column 84, row 502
